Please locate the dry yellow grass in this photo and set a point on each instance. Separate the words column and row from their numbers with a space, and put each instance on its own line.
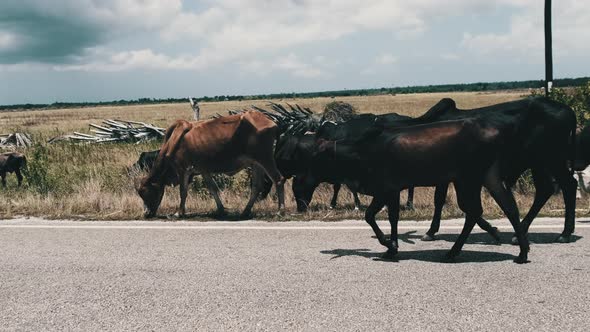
column 52, row 122
column 91, row 181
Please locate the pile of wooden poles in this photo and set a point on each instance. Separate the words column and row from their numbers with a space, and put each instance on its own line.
column 15, row 140
column 115, row 131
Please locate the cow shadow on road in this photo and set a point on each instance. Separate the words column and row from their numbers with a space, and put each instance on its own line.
column 432, row 256
column 205, row 216
column 412, row 237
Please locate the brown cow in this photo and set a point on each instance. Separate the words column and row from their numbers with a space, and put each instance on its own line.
column 222, row 145
column 12, row 162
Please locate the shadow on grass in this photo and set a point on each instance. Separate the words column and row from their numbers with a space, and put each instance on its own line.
column 433, row 256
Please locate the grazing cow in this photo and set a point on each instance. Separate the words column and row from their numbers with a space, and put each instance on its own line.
column 292, row 155
column 12, row 162
column 382, row 162
column 222, row 145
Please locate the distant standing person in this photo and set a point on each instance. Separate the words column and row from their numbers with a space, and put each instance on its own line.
column 195, row 107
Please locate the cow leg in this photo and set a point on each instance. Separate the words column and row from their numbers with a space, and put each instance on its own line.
column 469, row 200
column 440, row 198
column 335, row 195
column 374, row 208
column 357, row 201
column 568, row 187
column 506, row 201
column 256, row 188
column 183, row 187
column 410, row 202
column 19, row 177
column 543, row 191
column 3, row 176
column 270, row 167
column 393, row 208
column 267, row 186
column 214, row 191
column 486, row 226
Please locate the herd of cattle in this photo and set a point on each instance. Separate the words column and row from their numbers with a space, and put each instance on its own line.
column 380, row 155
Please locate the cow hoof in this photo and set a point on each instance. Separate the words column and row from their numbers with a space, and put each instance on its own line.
column 450, row 257
column 389, row 254
column 495, row 234
column 246, row 216
column 220, row 214
column 521, row 259
column 564, row 238
column 407, row 208
column 428, row 238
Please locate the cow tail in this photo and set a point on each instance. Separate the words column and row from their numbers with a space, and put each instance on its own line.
column 572, row 148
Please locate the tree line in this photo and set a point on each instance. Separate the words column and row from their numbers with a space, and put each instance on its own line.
column 465, row 87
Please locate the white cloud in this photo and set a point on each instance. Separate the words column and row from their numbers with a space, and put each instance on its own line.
column 242, row 31
column 8, row 41
column 58, row 31
column 525, row 37
column 450, row 56
column 292, row 64
column 136, row 59
column 385, row 59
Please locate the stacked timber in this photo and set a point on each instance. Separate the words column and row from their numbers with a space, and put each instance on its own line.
column 115, row 131
column 15, row 140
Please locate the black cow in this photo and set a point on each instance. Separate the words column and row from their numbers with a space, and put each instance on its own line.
column 382, row 162
column 543, row 143
column 293, row 153
column 12, row 162
column 146, row 160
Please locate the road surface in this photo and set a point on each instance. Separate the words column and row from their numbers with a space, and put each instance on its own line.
column 67, row 275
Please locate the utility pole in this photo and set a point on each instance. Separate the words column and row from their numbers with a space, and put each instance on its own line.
column 548, row 49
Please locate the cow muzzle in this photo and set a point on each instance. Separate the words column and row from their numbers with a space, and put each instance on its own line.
column 147, row 212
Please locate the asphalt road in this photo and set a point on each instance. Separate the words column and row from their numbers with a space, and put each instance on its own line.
column 275, row 276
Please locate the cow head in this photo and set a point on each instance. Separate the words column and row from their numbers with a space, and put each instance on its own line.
column 303, row 188
column 151, row 193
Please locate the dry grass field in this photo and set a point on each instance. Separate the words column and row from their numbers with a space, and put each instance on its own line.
column 91, row 181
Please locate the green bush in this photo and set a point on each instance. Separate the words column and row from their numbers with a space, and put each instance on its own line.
column 36, row 173
column 578, row 98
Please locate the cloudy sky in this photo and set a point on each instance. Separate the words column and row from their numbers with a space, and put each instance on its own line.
column 93, row 50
